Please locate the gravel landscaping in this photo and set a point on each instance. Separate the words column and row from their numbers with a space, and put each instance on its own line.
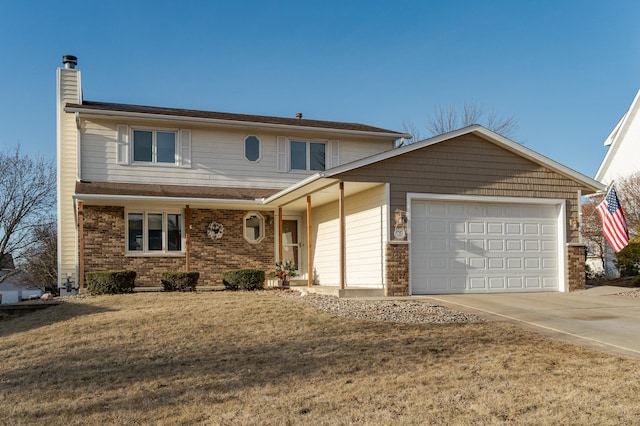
column 402, row 311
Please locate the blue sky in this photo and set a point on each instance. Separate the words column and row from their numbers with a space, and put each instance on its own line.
column 567, row 70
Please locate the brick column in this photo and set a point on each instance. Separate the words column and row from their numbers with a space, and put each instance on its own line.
column 397, row 269
column 575, row 266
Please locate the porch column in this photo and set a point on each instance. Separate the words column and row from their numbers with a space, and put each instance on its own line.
column 280, row 234
column 187, row 238
column 80, row 245
column 341, row 261
column 309, row 244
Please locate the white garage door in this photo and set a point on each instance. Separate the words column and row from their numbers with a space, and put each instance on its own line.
column 480, row 247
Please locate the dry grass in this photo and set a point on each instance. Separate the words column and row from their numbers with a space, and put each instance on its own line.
column 254, row 358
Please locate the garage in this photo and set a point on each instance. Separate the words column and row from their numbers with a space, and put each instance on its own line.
column 478, row 245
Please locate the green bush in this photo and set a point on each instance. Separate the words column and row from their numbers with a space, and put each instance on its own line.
column 628, row 259
column 111, row 282
column 243, row 279
column 180, row 281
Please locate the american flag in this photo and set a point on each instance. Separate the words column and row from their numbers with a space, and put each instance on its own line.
column 614, row 225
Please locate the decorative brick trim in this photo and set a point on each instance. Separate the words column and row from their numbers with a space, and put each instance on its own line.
column 575, row 267
column 397, row 270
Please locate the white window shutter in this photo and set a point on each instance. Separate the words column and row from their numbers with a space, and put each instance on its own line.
column 185, row 148
column 122, row 154
column 334, row 149
column 282, row 154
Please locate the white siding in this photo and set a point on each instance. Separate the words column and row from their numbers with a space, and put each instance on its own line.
column 68, row 91
column 364, row 222
column 217, row 157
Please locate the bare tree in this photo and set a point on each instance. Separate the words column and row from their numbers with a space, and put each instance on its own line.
column 27, row 200
column 40, row 265
column 628, row 190
column 446, row 118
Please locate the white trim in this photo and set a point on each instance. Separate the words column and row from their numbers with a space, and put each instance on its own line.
column 262, row 226
column 561, row 221
column 91, row 111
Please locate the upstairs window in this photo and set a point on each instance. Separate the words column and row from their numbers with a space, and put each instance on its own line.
column 307, row 155
column 154, row 146
column 252, row 148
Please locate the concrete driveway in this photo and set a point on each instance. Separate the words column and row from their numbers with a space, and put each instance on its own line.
column 597, row 317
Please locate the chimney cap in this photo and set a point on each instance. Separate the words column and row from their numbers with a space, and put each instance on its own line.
column 69, row 61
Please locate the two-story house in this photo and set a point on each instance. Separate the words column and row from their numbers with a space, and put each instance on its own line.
column 156, row 189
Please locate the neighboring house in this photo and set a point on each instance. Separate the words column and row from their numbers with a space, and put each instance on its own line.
column 11, row 291
column 159, row 189
column 620, row 161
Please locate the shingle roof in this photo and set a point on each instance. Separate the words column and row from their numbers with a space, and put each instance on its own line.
column 224, row 116
column 177, row 191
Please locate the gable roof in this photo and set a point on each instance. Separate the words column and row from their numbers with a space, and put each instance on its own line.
column 142, row 111
column 332, row 174
column 617, row 135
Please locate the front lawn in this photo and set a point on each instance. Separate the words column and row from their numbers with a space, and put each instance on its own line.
column 255, row 358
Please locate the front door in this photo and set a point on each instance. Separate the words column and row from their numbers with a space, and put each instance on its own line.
column 290, row 243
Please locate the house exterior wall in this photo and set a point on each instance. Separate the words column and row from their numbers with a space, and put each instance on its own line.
column 470, row 165
column 68, row 90
column 217, row 156
column 364, row 240
column 104, row 246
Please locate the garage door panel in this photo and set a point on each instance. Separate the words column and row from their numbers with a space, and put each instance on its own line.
column 515, row 282
column 483, row 247
column 514, row 245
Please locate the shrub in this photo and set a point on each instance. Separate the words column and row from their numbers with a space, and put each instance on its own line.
column 180, row 281
column 243, row 279
column 628, row 259
column 111, row 282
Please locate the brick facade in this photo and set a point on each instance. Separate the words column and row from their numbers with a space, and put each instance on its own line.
column 576, row 266
column 397, row 269
column 104, row 246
